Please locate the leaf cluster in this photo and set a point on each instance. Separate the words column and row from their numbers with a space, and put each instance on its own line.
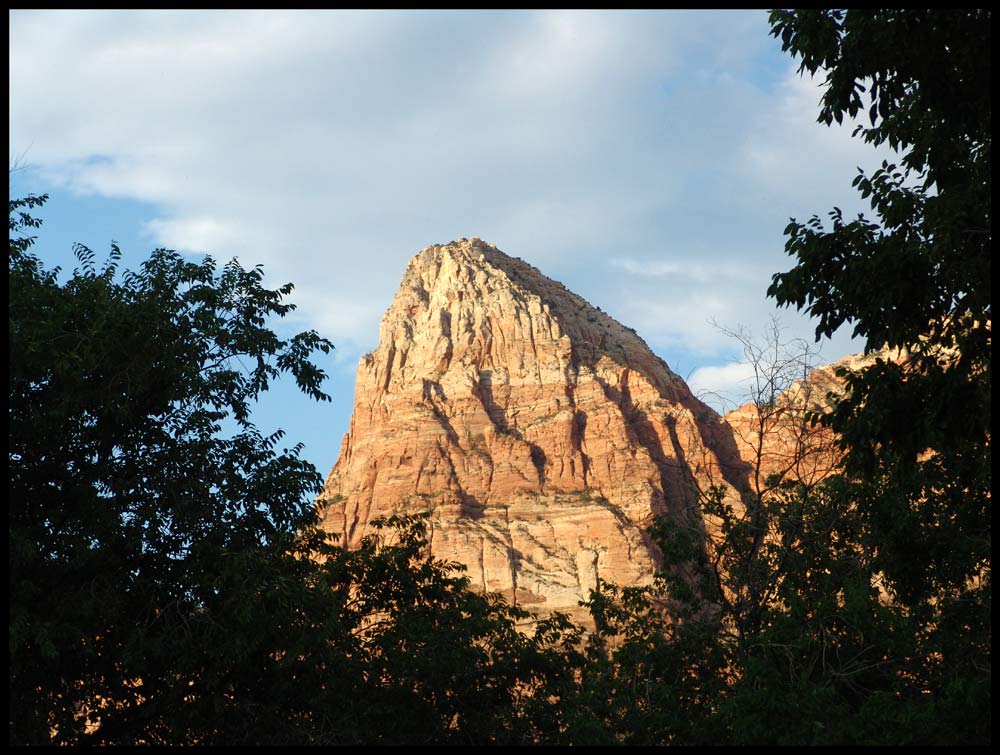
column 915, row 425
column 125, row 494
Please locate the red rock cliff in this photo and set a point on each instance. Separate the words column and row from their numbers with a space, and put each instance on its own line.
column 541, row 434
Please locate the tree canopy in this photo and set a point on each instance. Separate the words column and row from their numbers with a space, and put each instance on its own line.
column 128, row 503
column 915, row 425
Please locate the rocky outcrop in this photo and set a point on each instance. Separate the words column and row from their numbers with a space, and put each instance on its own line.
column 778, row 438
column 541, row 435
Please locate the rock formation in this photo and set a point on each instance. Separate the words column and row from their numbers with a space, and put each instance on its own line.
column 541, row 435
column 778, row 438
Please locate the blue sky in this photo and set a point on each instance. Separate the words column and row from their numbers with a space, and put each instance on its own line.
column 648, row 160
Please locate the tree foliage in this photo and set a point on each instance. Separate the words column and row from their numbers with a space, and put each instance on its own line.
column 127, row 501
column 168, row 584
column 916, row 428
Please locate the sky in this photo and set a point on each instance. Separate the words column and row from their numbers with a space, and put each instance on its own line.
column 648, row 160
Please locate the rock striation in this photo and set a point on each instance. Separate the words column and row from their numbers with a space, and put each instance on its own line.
column 541, row 435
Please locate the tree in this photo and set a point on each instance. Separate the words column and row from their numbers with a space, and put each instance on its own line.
column 168, row 583
column 127, row 502
column 774, row 429
column 916, row 430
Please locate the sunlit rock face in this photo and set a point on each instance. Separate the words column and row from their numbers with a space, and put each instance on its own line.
column 780, row 438
column 541, row 435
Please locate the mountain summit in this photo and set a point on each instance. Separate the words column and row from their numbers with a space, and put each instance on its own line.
column 541, row 434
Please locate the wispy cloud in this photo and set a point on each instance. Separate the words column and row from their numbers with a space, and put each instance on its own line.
column 725, row 386
column 688, row 270
column 331, row 146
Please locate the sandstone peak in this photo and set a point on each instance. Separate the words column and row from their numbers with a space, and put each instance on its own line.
column 541, row 434
column 452, row 279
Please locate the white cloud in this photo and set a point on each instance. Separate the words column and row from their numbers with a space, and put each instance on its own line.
column 555, row 55
column 195, row 234
column 657, row 268
column 716, row 273
column 787, row 153
column 330, row 146
column 683, row 318
column 723, row 387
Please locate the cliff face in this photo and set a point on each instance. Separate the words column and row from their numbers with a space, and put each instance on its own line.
column 541, row 434
column 779, row 439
